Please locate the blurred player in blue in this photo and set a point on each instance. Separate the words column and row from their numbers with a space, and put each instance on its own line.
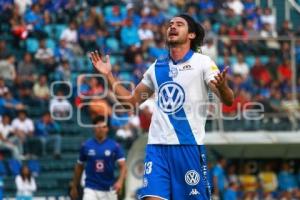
column 98, row 157
column 175, row 163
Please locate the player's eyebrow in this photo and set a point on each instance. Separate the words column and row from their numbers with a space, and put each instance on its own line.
column 176, row 22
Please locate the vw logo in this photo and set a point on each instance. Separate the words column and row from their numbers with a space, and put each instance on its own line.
column 192, row 177
column 171, row 97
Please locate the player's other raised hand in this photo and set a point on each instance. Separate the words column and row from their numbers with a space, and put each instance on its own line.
column 220, row 79
column 104, row 67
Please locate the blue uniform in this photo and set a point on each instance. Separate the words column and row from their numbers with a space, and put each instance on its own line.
column 175, row 165
column 100, row 160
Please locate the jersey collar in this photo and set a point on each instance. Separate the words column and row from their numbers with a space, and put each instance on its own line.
column 187, row 56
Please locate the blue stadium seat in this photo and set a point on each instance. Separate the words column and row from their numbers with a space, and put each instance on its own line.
column 50, row 44
column 264, row 59
column 250, row 60
column 220, row 61
column 49, row 30
column 32, row 45
column 58, row 30
column 233, row 60
column 14, row 166
column 34, row 166
column 112, row 44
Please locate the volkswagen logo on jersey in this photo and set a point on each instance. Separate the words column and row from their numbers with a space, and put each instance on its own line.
column 192, row 177
column 171, row 97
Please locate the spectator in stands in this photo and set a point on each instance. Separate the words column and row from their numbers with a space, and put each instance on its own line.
column 70, row 35
column 270, row 35
column 5, row 142
column 268, row 181
column 87, row 36
column 287, row 181
column 25, row 184
column 239, row 42
column 241, row 67
column 23, row 129
column 269, row 18
column 231, row 19
column 272, row 66
column 100, row 165
column 4, row 51
column 249, row 7
column 129, row 34
column 45, row 56
column 3, row 87
column 34, row 20
column 259, row 73
column 10, row 105
column 219, row 178
column 232, row 175
column 284, row 71
column 60, row 107
column 27, row 70
column 8, row 69
column 249, row 182
column 63, row 52
column 41, row 90
column 115, row 19
column 231, row 193
column 145, row 33
column 286, row 29
column 63, row 71
column 47, row 132
column 139, row 67
column 237, row 6
column 291, row 107
column 210, row 49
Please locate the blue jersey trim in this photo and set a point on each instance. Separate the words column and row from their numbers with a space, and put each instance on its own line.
column 182, row 127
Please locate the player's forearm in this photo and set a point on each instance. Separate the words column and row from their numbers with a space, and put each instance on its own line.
column 226, row 95
column 77, row 175
column 122, row 94
column 123, row 172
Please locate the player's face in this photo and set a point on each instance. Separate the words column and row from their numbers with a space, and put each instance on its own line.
column 101, row 129
column 177, row 32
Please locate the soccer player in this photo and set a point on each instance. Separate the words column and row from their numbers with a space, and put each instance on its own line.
column 98, row 157
column 175, row 163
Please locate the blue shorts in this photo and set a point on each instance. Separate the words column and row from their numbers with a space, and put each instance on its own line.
column 175, row 172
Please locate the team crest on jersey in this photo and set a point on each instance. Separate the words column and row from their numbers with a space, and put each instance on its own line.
column 92, row 152
column 107, row 152
column 171, row 97
column 192, row 177
column 173, row 72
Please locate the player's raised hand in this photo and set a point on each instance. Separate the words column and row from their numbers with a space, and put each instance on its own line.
column 220, row 79
column 104, row 67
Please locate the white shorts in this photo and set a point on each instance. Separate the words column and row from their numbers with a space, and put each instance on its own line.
column 90, row 194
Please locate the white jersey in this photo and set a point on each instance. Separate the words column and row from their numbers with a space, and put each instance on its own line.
column 181, row 95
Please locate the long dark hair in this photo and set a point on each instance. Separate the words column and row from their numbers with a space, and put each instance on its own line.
column 24, row 177
column 194, row 27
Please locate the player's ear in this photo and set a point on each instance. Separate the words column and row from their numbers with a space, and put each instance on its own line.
column 192, row 36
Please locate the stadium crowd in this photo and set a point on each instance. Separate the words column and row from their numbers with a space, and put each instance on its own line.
column 44, row 41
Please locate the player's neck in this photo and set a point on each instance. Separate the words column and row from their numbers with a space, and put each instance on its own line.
column 178, row 52
column 101, row 139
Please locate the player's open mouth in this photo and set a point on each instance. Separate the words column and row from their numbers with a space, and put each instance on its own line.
column 173, row 33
